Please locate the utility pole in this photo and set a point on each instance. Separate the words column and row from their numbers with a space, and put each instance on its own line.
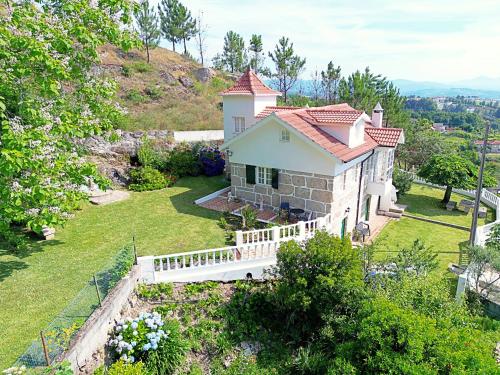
column 473, row 228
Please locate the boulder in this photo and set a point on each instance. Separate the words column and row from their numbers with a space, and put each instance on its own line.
column 168, row 78
column 204, row 74
column 186, row 81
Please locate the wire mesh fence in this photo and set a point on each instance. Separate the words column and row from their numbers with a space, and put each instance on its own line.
column 55, row 338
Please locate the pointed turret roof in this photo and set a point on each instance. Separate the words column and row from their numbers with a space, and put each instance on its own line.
column 250, row 84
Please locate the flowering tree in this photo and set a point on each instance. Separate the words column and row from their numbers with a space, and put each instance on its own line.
column 50, row 94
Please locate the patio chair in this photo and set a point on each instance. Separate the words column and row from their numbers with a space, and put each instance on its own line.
column 363, row 229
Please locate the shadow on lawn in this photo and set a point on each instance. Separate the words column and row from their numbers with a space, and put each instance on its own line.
column 33, row 245
column 426, row 206
column 184, row 202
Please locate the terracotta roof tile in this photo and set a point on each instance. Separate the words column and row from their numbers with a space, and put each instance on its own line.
column 250, row 84
column 301, row 121
column 387, row 137
column 271, row 109
column 336, row 117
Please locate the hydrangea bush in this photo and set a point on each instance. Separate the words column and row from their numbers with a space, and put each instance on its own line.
column 133, row 339
column 211, row 161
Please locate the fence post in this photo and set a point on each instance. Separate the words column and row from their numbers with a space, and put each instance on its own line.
column 97, row 290
column 135, row 250
column 45, row 350
column 276, row 233
column 239, row 238
column 302, row 230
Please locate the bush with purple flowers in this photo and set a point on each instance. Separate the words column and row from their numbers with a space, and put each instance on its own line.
column 149, row 339
column 132, row 338
column 211, row 160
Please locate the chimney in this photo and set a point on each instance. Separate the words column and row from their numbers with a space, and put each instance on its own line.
column 377, row 114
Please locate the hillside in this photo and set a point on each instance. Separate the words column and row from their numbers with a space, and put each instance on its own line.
column 169, row 93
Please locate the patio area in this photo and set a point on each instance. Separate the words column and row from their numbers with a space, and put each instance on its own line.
column 223, row 203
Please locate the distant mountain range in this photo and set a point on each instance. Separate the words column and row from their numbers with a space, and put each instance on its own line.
column 483, row 87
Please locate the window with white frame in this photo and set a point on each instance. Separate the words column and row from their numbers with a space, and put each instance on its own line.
column 239, row 124
column 285, row 135
column 390, row 165
column 264, row 175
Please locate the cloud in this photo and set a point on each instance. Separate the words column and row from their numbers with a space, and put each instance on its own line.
column 443, row 40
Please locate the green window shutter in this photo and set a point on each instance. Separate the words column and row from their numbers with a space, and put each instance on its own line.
column 274, row 178
column 250, row 172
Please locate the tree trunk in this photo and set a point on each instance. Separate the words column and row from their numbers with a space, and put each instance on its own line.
column 185, row 49
column 447, row 195
column 147, row 52
column 173, row 45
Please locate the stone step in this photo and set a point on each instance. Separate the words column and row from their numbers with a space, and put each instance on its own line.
column 396, row 210
column 396, row 215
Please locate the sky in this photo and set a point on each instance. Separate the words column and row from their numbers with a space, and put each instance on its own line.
column 422, row 40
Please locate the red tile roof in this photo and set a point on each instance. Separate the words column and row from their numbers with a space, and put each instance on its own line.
column 268, row 110
column 306, row 121
column 250, row 84
column 334, row 117
column 302, row 122
column 387, row 137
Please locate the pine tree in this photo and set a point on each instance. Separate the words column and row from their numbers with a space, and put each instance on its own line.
column 330, row 82
column 169, row 21
column 234, row 57
column 288, row 65
column 147, row 22
column 186, row 24
column 256, row 49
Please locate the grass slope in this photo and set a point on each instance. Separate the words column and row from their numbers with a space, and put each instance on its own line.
column 154, row 96
column 35, row 286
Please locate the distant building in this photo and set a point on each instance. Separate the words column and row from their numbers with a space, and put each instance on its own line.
column 439, row 127
column 492, row 146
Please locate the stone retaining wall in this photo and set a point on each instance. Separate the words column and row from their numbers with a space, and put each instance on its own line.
column 94, row 333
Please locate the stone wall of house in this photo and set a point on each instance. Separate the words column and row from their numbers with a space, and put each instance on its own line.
column 311, row 192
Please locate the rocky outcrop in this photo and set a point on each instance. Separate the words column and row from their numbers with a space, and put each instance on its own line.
column 113, row 153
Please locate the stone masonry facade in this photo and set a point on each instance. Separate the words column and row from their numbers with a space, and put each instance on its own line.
column 319, row 194
column 308, row 191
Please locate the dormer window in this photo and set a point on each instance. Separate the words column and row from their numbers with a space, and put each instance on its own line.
column 239, row 124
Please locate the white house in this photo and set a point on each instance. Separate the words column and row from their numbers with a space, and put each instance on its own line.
column 332, row 159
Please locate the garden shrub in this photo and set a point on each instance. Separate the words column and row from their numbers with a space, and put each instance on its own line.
column 212, row 162
column 148, row 178
column 249, row 217
column 123, row 368
column 183, row 161
column 402, row 181
column 153, row 154
column 170, row 353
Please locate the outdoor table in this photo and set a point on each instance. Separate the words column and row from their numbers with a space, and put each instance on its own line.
column 297, row 212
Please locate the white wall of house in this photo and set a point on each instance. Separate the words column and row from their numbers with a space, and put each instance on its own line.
column 263, row 147
column 247, row 106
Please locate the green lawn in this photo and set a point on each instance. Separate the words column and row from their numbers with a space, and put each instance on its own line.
column 444, row 240
column 36, row 285
column 426, row 201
